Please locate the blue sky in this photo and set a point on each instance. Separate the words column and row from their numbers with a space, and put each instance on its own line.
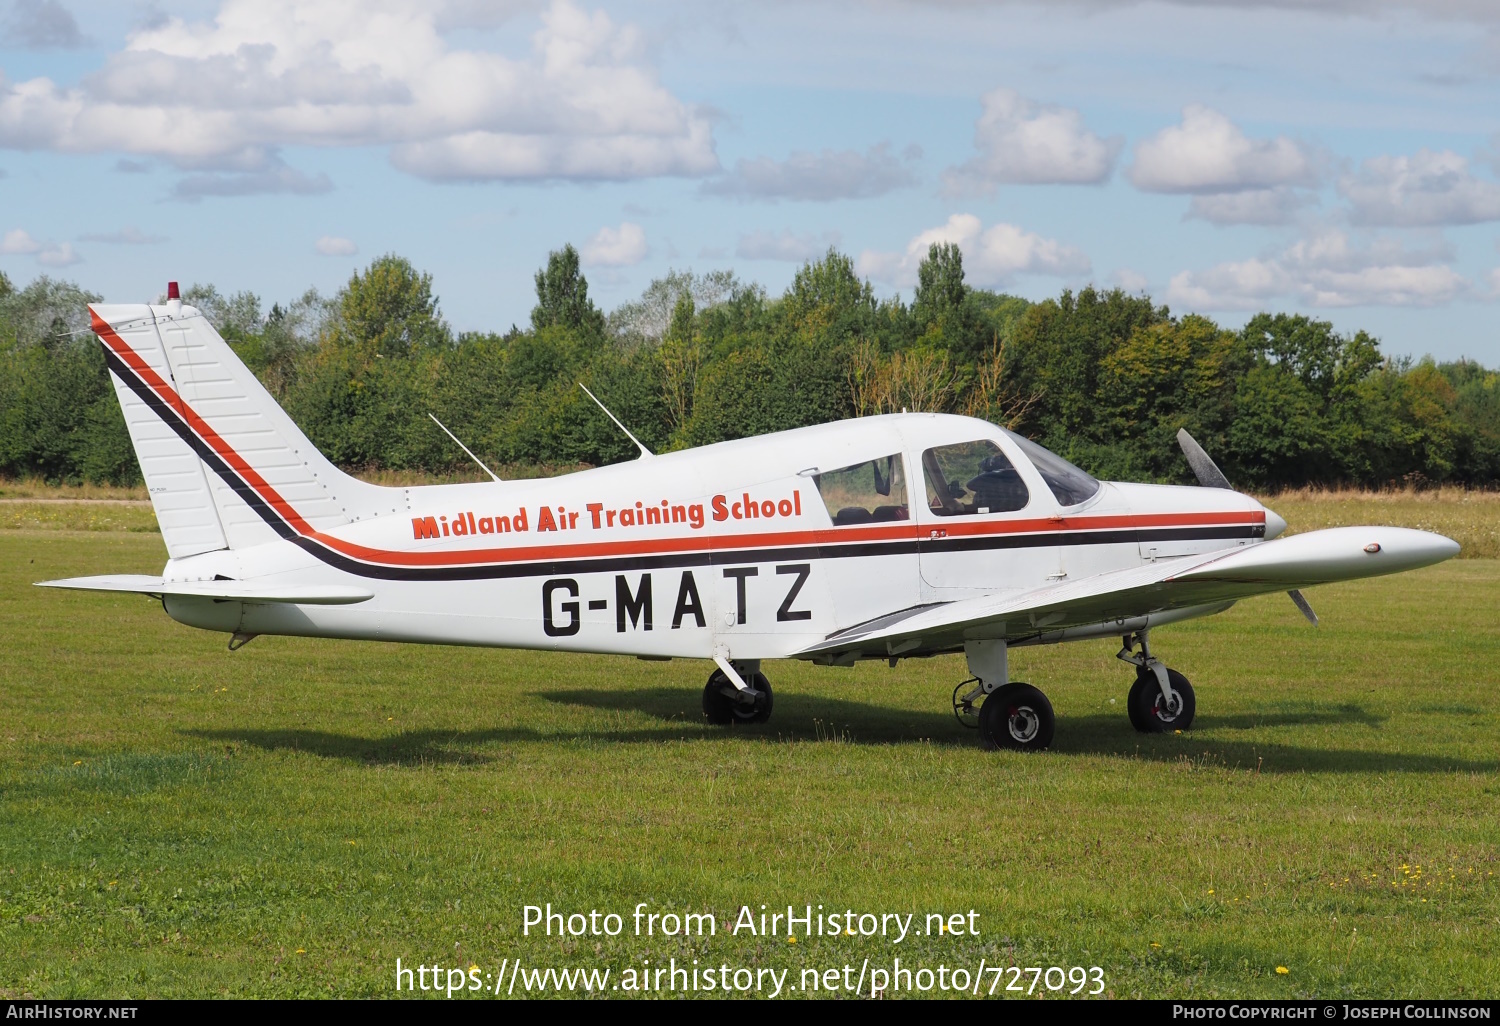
column 1332, row 157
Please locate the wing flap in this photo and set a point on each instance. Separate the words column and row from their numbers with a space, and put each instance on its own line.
column 224, row 591
column 1212, row 579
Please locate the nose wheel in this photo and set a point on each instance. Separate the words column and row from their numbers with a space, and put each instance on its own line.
column 1151, row 712
column 1161, row 699
column 1016, row 716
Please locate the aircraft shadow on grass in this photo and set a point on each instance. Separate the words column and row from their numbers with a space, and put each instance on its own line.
column 815, row 719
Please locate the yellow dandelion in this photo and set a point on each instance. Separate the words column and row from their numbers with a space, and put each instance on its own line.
column 301, row 951
column 351, row 842
column 1282, row 970
column 473, row 968
column 78, row 762
column 1155, row 945
column 791, row 940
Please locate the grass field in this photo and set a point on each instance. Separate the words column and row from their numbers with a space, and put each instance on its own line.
column 289, row 819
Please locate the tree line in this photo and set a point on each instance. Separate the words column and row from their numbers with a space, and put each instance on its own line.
column 1102, row 377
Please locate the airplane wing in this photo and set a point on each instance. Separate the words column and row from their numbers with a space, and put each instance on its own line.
column 223, row 591
column 1213, row 579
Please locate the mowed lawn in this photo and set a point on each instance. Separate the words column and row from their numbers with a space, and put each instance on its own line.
column 289, row 819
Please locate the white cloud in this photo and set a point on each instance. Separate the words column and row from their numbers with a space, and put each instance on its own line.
column 60, row 254
column 335, row 245
column 1207, row 153
column 42, row 25
column 1023, row 142
column 1426, row 188
column 19, row 240
column 1238, row 285
column 992, row 256
column 131, row 236
column 276, row 177
column 1327, row 270
column 1130, row 280
column 226, row 94
column 785, row 245
column 1255, row 206
column 615, row 247
column 829, row 175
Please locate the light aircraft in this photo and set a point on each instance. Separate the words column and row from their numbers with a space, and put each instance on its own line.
column 887, row 537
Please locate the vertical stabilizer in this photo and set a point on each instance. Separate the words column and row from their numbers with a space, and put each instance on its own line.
column 186, row 394
column 174, row 474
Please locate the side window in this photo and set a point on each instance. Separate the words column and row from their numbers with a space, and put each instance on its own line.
column 972, row 477
column 865, row 493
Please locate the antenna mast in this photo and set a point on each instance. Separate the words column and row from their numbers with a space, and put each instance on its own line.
column 645, row 452
column 493, row 476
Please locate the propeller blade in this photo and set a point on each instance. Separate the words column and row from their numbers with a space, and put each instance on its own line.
column 1204, row 469
column 1302, row 604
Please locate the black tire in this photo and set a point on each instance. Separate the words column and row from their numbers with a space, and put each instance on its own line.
column 1147, row 712
column 1016, row 716
column 721, row 710
column 1143, row 680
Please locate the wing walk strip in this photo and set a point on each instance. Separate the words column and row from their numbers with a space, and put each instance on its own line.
column 553, row 560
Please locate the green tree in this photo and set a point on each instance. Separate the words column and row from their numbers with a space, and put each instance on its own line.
column 1057, row 351
column 940, row 283
column 389, row 309
column 562, row 296
column 1166, row 376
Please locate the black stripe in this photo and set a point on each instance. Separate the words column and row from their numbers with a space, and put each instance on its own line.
column 616, row 564
column 205, row 452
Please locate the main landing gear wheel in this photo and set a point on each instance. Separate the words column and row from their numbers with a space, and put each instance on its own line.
column 722, row 704
column 1149, row 712
column 1016, row 716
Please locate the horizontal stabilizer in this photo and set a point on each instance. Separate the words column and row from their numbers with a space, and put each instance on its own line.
column 223, row 591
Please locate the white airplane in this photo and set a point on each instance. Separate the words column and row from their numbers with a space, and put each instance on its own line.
column 886, row 537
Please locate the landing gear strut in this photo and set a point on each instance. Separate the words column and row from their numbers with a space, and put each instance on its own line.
column 724, row 703
column 1161, row 699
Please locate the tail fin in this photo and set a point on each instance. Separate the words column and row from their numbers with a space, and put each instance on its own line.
column 225, row 465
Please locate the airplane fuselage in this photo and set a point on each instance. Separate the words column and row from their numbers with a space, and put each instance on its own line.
column 744, row 547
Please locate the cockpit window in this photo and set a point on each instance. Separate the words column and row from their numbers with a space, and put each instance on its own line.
column 972, row 477
column 865, row 493
column 1068, row 483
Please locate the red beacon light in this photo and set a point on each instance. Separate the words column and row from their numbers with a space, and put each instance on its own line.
column 172, row 292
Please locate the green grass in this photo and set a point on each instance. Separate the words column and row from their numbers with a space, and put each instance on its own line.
column 289, row 819
column 78, row 516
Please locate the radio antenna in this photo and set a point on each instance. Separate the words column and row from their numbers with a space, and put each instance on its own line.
column 493, row 476
column 645, row 452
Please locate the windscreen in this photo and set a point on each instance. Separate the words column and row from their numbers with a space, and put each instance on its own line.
column 1068, row 483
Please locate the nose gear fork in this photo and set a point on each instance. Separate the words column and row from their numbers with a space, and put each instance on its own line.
column 1145, row 661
